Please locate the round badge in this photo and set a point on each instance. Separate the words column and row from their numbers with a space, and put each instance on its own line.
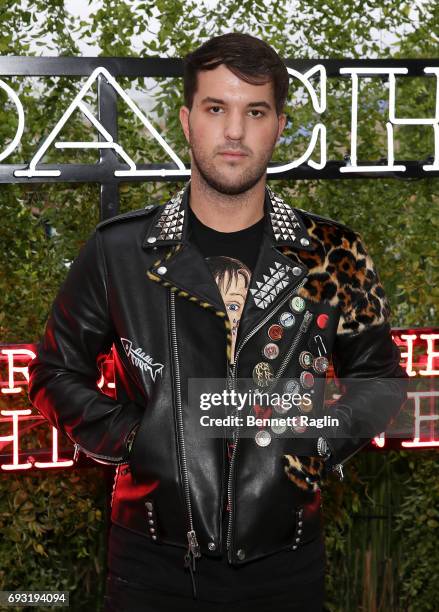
column 281, row 408
column 263, row 374
column 322, row 321
column 298, row 428
column 321, row 364
column 270, row 350
column 287, row 319
column 306, row 359
column 305, row 406
column 307, row 380
column 291, row 387
column 278, row 429
column 275, row 332
column 263, row 438
column 297, row 304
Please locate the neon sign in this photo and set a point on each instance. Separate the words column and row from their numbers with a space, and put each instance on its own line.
column 318, row 132
column 419, row 356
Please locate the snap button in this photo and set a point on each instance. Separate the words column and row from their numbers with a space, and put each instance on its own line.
column 304, row 241
column 162, row 270
column 241, row 554
column 152, row 239
column 297, row 271
column 211, row 546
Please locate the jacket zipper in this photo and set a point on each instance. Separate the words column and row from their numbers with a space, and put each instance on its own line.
column 236, row 431
column 193, row 550
column 98, row 458
column 306, row 322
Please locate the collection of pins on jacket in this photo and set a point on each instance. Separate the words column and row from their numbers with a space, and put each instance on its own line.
column 264, row 372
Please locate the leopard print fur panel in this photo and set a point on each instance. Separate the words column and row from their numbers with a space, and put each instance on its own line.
column 342, row 273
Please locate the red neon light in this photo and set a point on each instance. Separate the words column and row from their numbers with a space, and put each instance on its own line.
column 15, row 369
column 419, row 356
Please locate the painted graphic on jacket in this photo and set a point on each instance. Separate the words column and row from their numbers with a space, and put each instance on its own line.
column 233, row 280
column 140, row 359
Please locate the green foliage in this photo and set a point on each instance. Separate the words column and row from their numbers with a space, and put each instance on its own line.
column 52, row 531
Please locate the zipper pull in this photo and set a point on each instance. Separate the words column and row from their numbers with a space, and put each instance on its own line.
column 339, row 470
column 193, row 544
column 192, row 553
column 307, row 317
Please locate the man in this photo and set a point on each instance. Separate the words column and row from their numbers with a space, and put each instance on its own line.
column 226, row 281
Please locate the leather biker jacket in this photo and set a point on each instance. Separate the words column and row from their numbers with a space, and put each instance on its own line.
column 141, row 287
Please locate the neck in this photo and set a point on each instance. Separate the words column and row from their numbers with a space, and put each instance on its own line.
column 226, row 213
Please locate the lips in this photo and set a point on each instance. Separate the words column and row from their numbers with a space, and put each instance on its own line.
column 233, row 154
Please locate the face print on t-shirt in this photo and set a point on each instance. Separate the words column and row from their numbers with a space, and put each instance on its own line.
column 233, row 279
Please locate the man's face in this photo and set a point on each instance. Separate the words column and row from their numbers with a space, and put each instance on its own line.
column 232, row 130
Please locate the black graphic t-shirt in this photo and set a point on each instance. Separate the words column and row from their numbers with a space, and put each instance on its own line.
column 231, row 257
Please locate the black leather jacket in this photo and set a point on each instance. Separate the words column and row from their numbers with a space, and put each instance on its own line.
column 139, row 285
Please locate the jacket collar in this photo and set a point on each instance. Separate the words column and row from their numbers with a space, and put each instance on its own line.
column 283, row 222
column 275, row 276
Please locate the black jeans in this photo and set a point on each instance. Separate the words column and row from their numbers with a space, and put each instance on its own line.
column 123, row 595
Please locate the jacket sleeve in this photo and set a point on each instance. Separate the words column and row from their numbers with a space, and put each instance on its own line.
column 366, row 361
column 63, row 376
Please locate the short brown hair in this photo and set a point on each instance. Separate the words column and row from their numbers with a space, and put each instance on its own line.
column 250, row 58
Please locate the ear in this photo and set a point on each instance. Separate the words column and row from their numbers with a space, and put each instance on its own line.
column 184, row 120
column 282, row 121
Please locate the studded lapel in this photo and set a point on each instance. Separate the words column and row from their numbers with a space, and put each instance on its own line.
column 274, row 276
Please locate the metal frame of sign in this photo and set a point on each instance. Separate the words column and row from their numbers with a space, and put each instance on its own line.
column 110, row 171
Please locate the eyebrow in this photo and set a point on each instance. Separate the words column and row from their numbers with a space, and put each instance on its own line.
column 250, row 104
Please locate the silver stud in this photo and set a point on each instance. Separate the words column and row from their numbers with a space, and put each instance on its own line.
column 241, row 554
column 299, row 531
column 304, row 241
column 297, row 271
column 149, row 513
column 162, row 270
column 152, row 239
column 152, row 530
column 151, row 522
column 148, row 505
column 295, row 547
column 154, row 537
column 297, row 539
column 211, row 546
column 300, row 523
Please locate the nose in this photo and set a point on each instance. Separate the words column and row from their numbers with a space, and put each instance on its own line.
column 234, row 125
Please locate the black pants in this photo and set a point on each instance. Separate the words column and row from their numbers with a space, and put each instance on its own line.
column 125, row 596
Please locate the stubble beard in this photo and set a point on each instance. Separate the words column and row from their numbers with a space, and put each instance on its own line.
column 215, row 180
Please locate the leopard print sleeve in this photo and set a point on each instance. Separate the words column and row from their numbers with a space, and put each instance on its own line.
column 363, row 301
column 342, row 273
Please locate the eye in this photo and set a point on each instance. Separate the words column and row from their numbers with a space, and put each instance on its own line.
column 213, row 109
column 233, row 306
column 261, row 114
